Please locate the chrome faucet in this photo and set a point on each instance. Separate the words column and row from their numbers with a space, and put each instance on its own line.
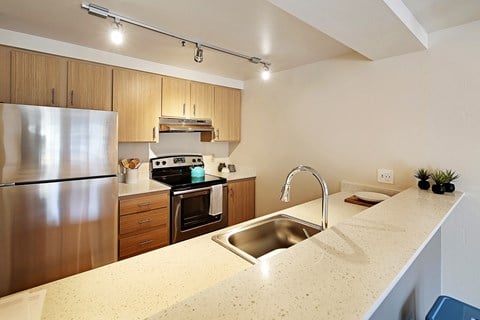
column 285, row 197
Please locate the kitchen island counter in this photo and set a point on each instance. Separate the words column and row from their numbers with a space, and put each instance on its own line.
column 143, row 285
column 344, row 272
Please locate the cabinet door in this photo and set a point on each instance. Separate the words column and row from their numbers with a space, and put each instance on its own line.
column 226, row 114
column 5, row 74
column 137, row 99
column 38, row 79
column 201, row 100
column 175, row 97
column 241, row 201
column 89, row 86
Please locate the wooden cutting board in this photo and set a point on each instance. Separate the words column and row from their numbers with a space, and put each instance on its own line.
column 356, row 200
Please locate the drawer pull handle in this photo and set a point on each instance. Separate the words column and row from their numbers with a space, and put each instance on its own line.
column 144, row 204
column 144, row 221
column 145, row 242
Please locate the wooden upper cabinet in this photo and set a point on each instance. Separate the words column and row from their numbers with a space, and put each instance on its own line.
column 137, row 98
column 201, row 100
column 5, row 74
column 38, row 79
column 175, row 97
column 89, row 86
column 226, row 114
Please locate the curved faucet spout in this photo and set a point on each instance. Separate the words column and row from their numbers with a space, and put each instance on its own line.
column 285, row 197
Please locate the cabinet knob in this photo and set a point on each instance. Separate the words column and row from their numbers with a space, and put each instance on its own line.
column 194, row 110
column 53, row 96
column 71, row 98
column 154, row 133
column 184, row 109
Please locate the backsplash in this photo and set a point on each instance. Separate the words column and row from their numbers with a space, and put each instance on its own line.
column 173, row 143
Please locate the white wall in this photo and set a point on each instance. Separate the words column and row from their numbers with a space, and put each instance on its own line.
column 346, row 117
column 415, row 292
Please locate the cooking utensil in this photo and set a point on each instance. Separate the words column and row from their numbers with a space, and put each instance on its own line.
column 124, row 163
column 133, row 163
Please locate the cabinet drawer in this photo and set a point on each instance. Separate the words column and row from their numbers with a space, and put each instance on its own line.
column 143, row 242
column 142, row 221
column 144, row 203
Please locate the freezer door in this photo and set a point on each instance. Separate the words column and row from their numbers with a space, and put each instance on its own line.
column 52, row 230
column 48, row 143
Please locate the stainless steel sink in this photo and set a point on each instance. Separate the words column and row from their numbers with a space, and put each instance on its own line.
column 262, row 239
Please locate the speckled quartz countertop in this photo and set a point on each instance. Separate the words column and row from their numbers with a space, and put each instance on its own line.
column 341, row 273
column 146, row 185
column 141, row 286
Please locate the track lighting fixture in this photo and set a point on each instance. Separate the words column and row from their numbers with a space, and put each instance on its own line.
column 116, row 34
column 198, row 57
column 198, row 53
column 266, row 72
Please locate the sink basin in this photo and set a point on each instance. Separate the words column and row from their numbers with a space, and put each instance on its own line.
column 261, row 239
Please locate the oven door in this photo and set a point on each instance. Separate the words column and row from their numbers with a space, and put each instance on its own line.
column 191, row 213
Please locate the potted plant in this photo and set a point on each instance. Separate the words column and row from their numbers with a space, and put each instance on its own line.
column 439, row 178
column 450, row 176
column 423, row 175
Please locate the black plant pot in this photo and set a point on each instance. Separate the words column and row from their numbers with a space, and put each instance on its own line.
column 438, row 188
column 424, row 184
column 449, row 187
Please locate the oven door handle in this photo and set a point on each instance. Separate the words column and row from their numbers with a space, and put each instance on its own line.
column 176, row 193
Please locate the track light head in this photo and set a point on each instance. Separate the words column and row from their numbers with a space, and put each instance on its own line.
column 117, row 33
column 198, row 54
column 266, row 72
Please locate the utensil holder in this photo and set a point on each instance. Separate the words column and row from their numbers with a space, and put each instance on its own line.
column 131, row 176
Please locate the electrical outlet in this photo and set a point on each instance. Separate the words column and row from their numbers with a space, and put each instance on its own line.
column 385, row 176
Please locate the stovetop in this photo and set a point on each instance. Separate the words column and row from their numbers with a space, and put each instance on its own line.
column 175, row 172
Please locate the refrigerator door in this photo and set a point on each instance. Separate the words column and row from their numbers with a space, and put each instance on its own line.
column 52, row 230
column 48, row 143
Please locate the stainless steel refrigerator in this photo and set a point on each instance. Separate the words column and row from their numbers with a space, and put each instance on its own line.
column 58, row 193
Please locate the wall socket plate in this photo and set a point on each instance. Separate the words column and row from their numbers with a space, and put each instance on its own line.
column 385, row 176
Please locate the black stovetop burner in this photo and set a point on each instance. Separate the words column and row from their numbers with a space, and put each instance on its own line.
column 175, row 171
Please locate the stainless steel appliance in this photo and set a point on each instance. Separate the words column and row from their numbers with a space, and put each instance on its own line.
column 167, row 124
column 58, row 193
column 198, row 205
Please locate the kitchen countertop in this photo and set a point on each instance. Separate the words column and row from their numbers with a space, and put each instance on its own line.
column 146, row 185
column 341, row 273
column 143, row 285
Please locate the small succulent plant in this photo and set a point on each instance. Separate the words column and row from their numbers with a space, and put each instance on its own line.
column 438, row 177
column 422, row 174
column 450, row 175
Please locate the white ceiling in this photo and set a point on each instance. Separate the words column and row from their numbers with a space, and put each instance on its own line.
column 286, row 33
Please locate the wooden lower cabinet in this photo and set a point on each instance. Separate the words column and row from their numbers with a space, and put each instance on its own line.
column 241, row 200
column 144, row 223
column 5, row 74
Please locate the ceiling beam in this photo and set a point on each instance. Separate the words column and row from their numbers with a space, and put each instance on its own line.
column 376, row 29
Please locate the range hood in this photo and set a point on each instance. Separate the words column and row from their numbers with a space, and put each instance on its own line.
column 185, row 125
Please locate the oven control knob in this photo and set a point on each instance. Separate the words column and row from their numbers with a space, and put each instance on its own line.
column 157, row 163
column 199, row 160
column 194, row 160
column 164, row 162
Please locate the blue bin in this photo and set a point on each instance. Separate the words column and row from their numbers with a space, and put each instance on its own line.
column 448, row 308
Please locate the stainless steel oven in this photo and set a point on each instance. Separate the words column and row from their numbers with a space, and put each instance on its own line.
column 198, row 205
column 192, row 214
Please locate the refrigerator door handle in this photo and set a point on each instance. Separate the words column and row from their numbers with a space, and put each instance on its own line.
column 10, row 184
